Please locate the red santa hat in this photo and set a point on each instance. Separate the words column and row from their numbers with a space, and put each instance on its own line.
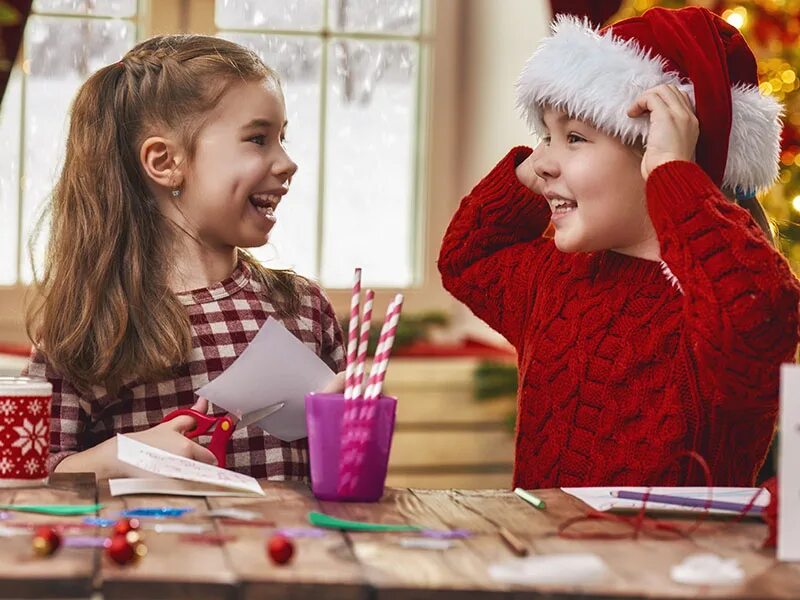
column 595, row 75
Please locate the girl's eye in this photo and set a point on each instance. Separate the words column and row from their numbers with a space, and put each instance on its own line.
column 574, row 137
column 258, row 139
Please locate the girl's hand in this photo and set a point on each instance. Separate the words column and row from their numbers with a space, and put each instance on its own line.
column 102, row 459
column 170, row 436
column 674, row 128
column 527, row 176
column 335, row 385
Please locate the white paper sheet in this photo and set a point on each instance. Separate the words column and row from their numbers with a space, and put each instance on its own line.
column 160, row 462
column 600, row 498
column 275, row 368
column 172, row 487
column 789, row 465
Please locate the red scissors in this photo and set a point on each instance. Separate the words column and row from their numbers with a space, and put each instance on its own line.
column 221, row 427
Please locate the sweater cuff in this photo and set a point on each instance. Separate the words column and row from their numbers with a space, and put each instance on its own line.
column 502, row 180
column 506, row 197
column 677, row 180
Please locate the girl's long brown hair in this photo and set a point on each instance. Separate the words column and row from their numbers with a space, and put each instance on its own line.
column 104, row 313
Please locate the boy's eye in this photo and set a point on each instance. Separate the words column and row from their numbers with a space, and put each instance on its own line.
column 546, row 140
column 574, row 137
column 258, row 139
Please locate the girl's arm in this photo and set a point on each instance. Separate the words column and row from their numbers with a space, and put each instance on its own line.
column 493, row 246
column 69, row 422
column 740, row 296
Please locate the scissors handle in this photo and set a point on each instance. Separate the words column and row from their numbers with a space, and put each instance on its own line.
column 223, row 429
column 203, row 422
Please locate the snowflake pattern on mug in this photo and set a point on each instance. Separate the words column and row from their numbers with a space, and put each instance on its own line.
column 24, row 437
column 31, row 436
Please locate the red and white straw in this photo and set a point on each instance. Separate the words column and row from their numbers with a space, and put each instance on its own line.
column 381, row 361
column 363, row 342
column 352, row 338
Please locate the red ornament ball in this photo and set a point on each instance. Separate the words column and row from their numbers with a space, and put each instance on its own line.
column 280, row 549
column 120, row 550
column 46, row 541
column 123, row 526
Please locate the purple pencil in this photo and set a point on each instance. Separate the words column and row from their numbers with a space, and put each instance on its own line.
column 684, row 501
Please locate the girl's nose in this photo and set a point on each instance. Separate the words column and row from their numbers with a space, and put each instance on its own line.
column 285, row 166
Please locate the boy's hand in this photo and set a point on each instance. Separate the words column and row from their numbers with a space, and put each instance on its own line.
column 674, row 128
column 527, row 176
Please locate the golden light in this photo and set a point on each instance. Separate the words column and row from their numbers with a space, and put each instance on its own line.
column 788, row 76
column 796, row 203
column 766, row 88
column 736, row 17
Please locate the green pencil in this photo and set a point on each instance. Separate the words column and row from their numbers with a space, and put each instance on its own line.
column 530, row 498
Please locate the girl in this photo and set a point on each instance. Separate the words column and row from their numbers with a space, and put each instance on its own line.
column 655, row 320
column 175, row 161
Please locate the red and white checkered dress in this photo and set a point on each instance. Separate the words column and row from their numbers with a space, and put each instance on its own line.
column 224, row 318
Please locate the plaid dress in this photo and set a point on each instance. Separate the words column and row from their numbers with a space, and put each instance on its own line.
column 224, row 318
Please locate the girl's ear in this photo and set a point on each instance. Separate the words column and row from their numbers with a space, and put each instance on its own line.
column 163, row 162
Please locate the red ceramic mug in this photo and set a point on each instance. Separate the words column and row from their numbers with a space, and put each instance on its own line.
column 24, row 431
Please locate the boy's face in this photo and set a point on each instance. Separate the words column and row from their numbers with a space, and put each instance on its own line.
column 240, row 170
column 595, row 189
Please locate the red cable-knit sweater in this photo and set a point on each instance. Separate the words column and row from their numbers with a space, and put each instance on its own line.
column 620, row 368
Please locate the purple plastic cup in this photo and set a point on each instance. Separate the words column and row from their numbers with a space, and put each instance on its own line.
column 324, row 422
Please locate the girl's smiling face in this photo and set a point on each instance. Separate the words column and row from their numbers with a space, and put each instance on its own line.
column 594, row 186
column 240, row 170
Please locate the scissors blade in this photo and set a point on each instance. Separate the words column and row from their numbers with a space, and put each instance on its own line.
column 257, row 415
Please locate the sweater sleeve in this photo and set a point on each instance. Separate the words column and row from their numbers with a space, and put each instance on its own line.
column 68, row 421
column 332, row 347
column 493, row 246
column 740, row 296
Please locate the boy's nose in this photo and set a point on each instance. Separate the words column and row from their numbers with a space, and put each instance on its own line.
column 545, row 164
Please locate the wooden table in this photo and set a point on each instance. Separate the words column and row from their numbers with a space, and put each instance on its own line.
column 368, row 565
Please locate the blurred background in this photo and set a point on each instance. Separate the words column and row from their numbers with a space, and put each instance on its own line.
column 396, row 108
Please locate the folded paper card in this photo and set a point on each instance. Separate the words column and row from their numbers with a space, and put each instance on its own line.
column 603, row 498
column 789, row 465
column 275, row 369
column 166, row 464
column 172, row 487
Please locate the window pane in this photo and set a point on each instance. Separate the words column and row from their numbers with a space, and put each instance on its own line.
column 381, row 16
column 60, row 54
column 106, row 8
column 370, row 150
column 301, row 15
column 10, row 119
column 293, row 241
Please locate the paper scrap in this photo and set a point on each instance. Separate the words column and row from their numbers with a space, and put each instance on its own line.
column 161, row 462
column 600, row 498
column 707, row 569
column 275, row 368
column 550, row 569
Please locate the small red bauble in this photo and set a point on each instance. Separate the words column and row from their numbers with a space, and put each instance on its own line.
column 46, row 541
column 280, row 549
column 123, row 549
column 123, row 526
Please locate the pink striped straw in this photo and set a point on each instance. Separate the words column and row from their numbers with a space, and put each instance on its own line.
column 352, row 338
column 381, row 361
column 363, row 342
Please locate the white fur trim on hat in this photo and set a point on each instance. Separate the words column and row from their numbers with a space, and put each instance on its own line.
column 596, row 77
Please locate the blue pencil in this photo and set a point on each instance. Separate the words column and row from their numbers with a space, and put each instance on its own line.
column 684, row 501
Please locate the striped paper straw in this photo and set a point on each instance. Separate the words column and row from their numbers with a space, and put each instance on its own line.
column 363, row 342
column 381, row 360
column 352, row 338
